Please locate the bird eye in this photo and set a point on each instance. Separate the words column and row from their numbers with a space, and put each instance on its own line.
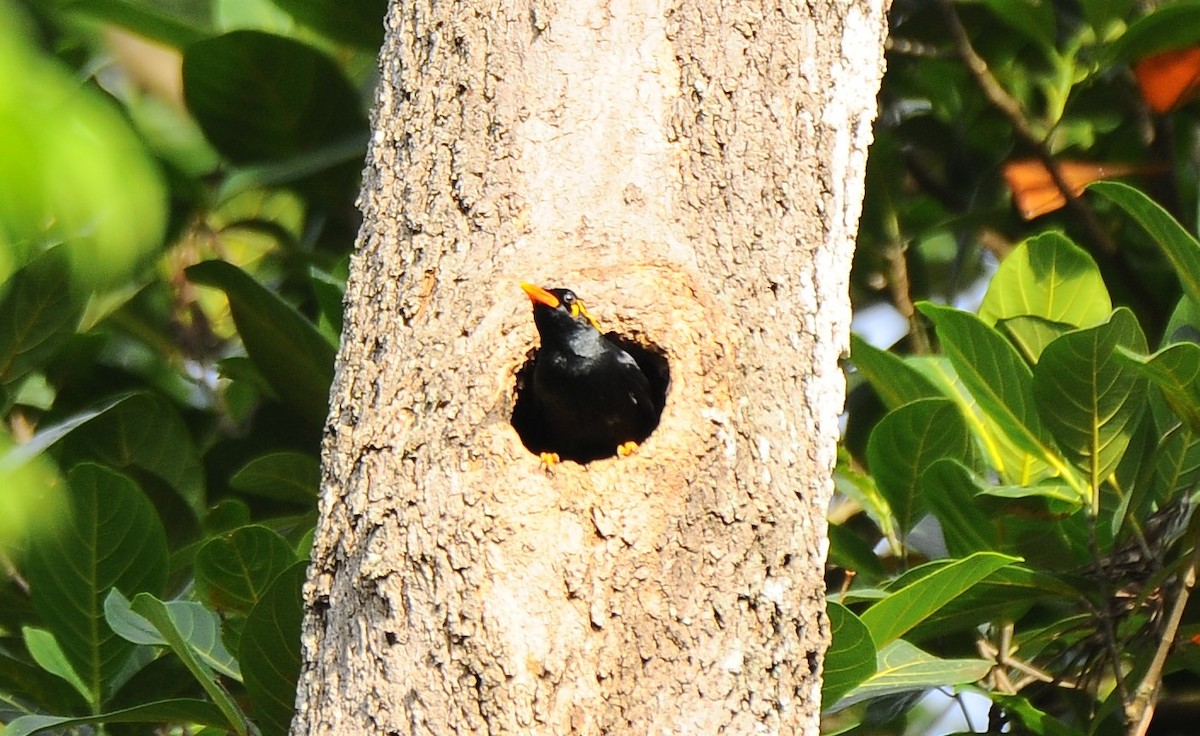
column 568, row 298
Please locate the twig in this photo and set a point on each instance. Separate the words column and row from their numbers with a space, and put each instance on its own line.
column 1105, row 617
column 896, row 255
column 999, row 653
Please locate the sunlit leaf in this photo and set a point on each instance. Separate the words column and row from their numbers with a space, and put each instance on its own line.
column 907, row 607
column 996, row 376
column 152, row 20
column 1031, row 334
column 1004, row 595
column 1089, row 399
column 902, row 667
column 1014, row 464
column 1051, row 278
column 1171, row 26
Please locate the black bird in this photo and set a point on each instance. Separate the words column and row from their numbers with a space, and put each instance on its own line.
column 591, row 399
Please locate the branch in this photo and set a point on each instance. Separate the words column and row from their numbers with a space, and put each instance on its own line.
column 1105, row 616
column 1141, row 710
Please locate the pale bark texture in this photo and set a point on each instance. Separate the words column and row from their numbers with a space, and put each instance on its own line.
column 694, row 172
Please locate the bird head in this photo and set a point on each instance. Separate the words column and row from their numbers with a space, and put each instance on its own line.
column 558, row 311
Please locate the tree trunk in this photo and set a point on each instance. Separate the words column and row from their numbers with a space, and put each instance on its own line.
column 694, row 173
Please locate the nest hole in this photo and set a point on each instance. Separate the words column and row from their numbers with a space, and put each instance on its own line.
column 527, row 417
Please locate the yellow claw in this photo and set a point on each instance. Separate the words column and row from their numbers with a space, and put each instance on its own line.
column 549, row 459
column 625, row 449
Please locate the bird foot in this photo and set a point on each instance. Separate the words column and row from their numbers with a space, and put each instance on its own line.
column 625, row 449
column 549, row 460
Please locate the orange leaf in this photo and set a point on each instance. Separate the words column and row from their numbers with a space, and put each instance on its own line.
column 1035, row 192
column 1169, row 79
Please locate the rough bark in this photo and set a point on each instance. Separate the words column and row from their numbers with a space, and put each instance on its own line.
column 694, row 172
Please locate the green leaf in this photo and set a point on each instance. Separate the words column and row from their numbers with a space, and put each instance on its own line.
column 50, row 434
column 1005, row 595
column 1062, row 494
column 44, row 649
column 999, row 380
column 1177, row 244
column 146, row 19
column 999, row 452
column 1169, row 27
column 39, row 310
column 143, row 431
column 1134, row 481
column 162, row 619
column 851, row 656
column 294, row 170
column 1176, row 464
column 287, row 349
column 111, row 539
column 1033, row 19
column 905, row 608
column 359, row 23
column 1090, row 400
column 234, row 571
column 178, row 710
column 949, row 488
column 1106, row 14
column 1184, row 324
column 1032, row 334
column 270, row 651
column 1036, row 722
column 849, row 551
column 896, row 382
column 282, row 476
column 1174, row 370
column 263, row 97
column 905, row 443
column 200, row 628
column 861, row 488
column 902, row 668
column 1049, row 277
column 33, row 500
